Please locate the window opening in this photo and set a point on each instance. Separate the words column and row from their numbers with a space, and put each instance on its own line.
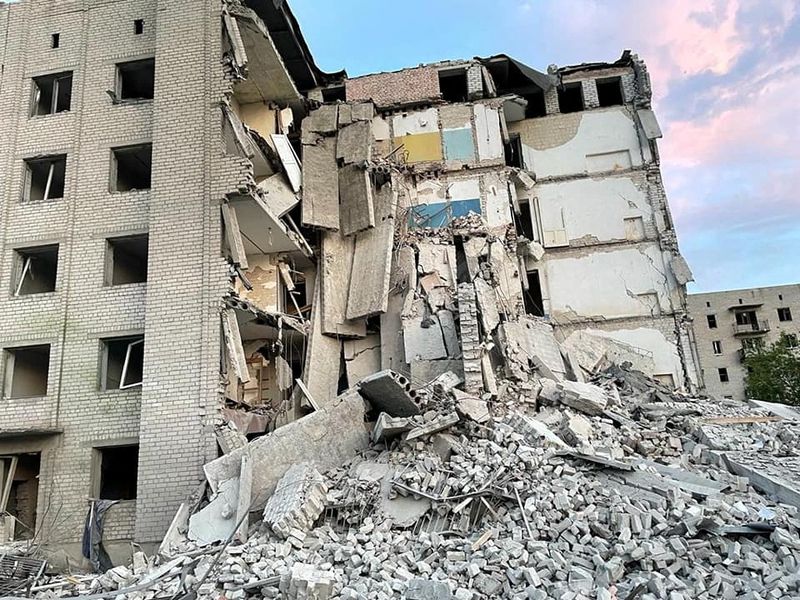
column 609, row 91
column 45, row 178
column 51, row 94
column 570, row 98
column 38, row 268
column 136, row 80
column 118, row 472
column 126, row 260
column 27, row 370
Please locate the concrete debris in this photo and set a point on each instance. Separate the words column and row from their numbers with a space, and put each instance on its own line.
column 390, row 393
column 471, row 407
column 298, row 501
column 585, row 397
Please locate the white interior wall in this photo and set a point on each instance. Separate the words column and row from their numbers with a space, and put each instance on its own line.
column 596, row 207
column 603, row 140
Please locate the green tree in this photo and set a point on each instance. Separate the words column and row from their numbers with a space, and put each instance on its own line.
column 774, row 372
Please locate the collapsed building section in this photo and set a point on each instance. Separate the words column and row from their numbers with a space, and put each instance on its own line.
column 285, row 236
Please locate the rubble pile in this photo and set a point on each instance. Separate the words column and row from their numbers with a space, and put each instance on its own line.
column 614, row 487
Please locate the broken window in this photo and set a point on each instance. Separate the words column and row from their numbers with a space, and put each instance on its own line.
column 723, row 375
column 36, row 270
column 55, row 40
column 712, row 321
column 746, row 317
column 136, row 79
column 785, row 314
column 131, row 168
column 716, row 346
column 534, row 303
column 51, row 94
column 536, row 106
column 453, row 85
column 117, row 472
column 27, row 370
column 138, row 26
column 19, row 491
column 45, row 178
column 126, row 259
column 123, row 361
column 609, row 91
column 570, row 97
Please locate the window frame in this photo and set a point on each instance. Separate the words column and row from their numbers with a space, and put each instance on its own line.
column 22, row 266
column 36, row 91
column 785, row 317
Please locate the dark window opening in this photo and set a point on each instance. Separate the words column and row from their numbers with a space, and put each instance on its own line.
column 136, row 80
column 123, row 363
column 716, row 347
column 19, row 490
column 524, row 220
column 51, row 94
column 708, row 304
column 27, row 371
column 513, row 152
column 534, row 303
column 332, row 94
column 570, row 98
column 462, row 267
column 37, row 270
column 453, row 85
column 118, row 472
column 536, row 106
column 712, row 321
column 45, row 178
column 138, row 26
column 126, row 260
column 746, row 317
column 55, row 40
column 791, row 339
column 609, row 91
column 785, row 314
column 780, row 297
column 723, row 375
column 132, row 168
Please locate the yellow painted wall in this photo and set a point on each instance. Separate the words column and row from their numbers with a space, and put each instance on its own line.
column 258, row 116
column 421, row 147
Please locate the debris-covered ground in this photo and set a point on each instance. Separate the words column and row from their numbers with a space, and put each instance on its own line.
column 614, row 487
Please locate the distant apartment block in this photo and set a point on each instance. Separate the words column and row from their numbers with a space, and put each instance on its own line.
column 728, row 325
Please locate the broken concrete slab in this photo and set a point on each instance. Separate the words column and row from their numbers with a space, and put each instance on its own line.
column 216, row 522
column 323, row 357
column 326, row 438
column 776, row 479
column 487, row 305
column 471, row 407
column 362, row 357
column 321, row 185
column 449, row 333
column 423, row 336
column 428, row 370
column 298, row 501
column 322, row 120
column 387, row 427
column 585, row 397
column 356, row 204
column 335, row 267
column 354, row 145
column 533, row 430
column 278, row 195
column 372, row 260
column 391, row 393
column 531, row 340
column 435, row 425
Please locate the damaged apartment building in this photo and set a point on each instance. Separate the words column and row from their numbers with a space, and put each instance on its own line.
column 205, row 237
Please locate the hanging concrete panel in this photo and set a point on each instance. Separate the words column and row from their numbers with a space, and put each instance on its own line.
column 323, row 358
column 289, row 160
column 321, row 185
column 372, row 260
column 357, row 211
column 336, row 264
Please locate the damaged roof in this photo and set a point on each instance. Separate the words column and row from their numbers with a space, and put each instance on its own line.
column 288, row 39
